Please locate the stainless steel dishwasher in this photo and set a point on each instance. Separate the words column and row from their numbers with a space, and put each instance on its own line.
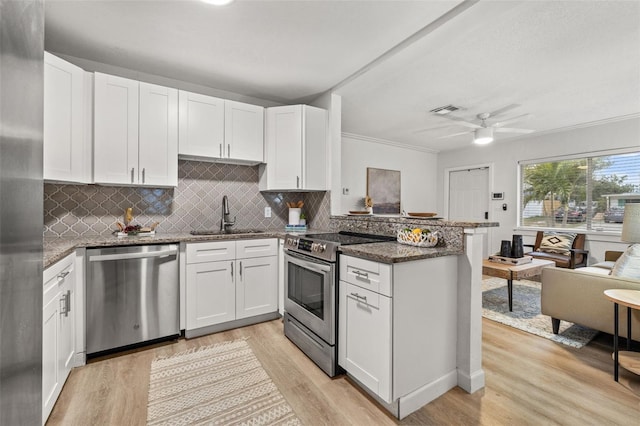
column 132, row 296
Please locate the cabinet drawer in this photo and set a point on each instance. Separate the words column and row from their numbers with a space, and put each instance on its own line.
column 57, row 272
column 256, row 248
column 211, row 251
column 362, row 295
column 373, row 276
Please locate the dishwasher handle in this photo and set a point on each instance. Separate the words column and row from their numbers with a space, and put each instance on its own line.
column 126, row 256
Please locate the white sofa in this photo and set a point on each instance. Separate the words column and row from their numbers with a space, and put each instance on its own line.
column 577, row 295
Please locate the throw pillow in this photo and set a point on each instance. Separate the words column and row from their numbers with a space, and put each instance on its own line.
column 628, row 265
column 557, row 242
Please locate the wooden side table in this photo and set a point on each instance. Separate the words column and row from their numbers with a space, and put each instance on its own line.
column 627, row 359
column 514, row 272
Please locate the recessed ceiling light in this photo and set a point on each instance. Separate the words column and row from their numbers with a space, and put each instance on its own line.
column 218, row 2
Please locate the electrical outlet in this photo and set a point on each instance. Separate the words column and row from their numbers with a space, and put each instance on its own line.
column 267, row 212
column 345, row 191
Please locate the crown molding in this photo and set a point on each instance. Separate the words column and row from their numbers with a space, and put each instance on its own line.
column 388, row 142
column 577, row 126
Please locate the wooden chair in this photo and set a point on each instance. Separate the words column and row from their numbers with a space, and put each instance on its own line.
column 577, row 257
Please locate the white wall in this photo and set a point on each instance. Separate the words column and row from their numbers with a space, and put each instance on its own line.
column 93, row 66
column 504, row 157
column 417, row 173
column 333, row 103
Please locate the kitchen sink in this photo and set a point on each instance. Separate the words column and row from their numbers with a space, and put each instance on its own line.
column 228, row 232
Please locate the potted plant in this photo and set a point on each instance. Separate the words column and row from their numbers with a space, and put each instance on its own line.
column 303, row 219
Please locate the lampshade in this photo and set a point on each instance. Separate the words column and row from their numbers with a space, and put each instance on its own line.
column 631, row 223
column 483, row 136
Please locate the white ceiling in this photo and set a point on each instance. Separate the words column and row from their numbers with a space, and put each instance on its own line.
column 565, row 62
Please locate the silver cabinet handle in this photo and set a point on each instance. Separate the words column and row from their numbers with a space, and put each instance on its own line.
column 229, row 150
column 220, row 150
column 132, row 169
column 240, row 269
column 63, row 275
column 65, row 303
column 360, row 274
column 231, row 269
column 297, row 181
column 357, row 296
column 143, row 174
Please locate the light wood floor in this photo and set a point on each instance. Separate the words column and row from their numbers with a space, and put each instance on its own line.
column 529, row 381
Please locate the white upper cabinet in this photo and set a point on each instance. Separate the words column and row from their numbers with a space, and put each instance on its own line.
column 296, row 149
column 158, row 136
column 135, row 132
column 67, row 152
column 244, row 131
column 220, row 130
column 201, row 125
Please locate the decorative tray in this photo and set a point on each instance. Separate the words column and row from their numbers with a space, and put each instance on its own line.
column 422, row 214
column 359, row 212
column 514, row 261
column 136, row 234
column 417, row 237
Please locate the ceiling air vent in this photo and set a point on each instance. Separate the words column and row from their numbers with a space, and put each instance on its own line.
column 444, row 110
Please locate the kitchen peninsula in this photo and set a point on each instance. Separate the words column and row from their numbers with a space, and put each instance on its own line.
column 410, row 320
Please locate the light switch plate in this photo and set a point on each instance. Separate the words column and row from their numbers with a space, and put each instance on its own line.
column 267, row 212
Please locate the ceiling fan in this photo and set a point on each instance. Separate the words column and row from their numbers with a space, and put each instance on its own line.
column 483, row 131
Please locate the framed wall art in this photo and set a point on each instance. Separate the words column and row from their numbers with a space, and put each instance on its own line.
column 383, row 186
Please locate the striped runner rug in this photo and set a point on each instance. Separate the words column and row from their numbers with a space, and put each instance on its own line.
column 221, row 384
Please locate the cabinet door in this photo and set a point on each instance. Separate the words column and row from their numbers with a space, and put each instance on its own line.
column 244, row 131
column 115, row 130
column 211, row 294
column 284, row 147
column 256, row 286
column 201, row 128
column 64, row 146
column 365, row 338
column 158, row 135
column 67, row 323
column 51, row 380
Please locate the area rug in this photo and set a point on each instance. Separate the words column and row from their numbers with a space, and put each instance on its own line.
column 217, row 384
column 526, row 314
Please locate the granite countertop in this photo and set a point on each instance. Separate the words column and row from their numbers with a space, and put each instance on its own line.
column 421, row 221
column 393, row 252
column 56, row 249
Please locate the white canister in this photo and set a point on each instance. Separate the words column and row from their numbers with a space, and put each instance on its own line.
column 294, row 216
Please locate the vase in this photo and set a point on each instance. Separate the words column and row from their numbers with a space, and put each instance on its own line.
column 505, row 248
column 516, row 247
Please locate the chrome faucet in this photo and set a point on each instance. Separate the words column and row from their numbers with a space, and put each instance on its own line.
column 224, row 222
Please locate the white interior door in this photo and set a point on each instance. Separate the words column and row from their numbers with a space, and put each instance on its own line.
column 469, row 197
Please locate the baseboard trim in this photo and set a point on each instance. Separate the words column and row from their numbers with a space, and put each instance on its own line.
column 189, row 334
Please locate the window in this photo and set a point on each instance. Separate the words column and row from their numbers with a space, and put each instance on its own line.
column 583, row 193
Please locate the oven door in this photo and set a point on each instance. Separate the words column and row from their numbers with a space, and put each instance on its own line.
column 309, row 289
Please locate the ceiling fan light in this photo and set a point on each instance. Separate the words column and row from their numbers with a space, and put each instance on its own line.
column 483, row 136
column 218, row 2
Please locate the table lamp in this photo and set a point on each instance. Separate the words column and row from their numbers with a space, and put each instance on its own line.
column 631, row 223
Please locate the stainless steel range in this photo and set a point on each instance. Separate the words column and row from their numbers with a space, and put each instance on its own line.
column 310, row 304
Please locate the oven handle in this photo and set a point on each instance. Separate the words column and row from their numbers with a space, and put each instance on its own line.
column 313, row 265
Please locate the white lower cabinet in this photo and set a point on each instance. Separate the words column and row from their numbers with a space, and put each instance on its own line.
column 228, row 281
column 58, row 330
column 211, row 294
column 367, row 349
column 398, row 329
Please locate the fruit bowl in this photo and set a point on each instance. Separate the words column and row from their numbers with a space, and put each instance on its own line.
column 417, row 237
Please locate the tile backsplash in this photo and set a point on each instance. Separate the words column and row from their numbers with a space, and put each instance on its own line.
column 196, row 203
